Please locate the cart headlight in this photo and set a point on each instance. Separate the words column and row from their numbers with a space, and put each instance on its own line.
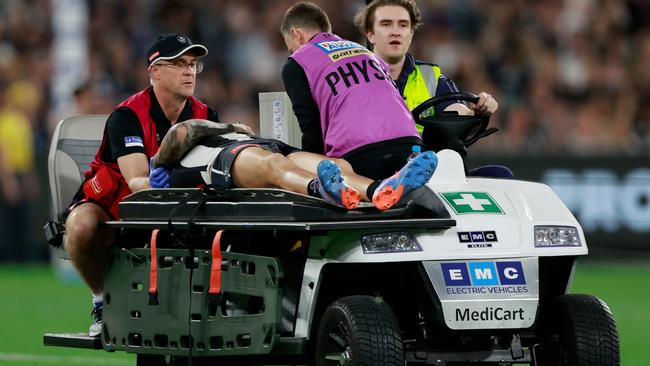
column 556, row 236
column 401, row 241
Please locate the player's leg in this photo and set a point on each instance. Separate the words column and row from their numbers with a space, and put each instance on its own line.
column 255, row 167
column 412, row 176
column 310, row 162
column 384, row 193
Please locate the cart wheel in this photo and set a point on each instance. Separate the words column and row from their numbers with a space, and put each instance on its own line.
column 359, row 330
column 579, row 330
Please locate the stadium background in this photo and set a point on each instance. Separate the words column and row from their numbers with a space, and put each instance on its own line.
column 571, row 78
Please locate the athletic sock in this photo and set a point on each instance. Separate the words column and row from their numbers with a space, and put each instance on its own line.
column 370, row 191
column 312, row 188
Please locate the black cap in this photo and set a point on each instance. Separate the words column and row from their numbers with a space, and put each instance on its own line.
column 170, row 46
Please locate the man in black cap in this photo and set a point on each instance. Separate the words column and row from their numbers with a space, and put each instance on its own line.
column 132, row 135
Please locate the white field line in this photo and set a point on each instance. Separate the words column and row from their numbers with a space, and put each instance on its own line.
column 69, row 360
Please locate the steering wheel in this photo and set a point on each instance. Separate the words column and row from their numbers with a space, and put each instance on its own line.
column 434, row 101
column 450, row 130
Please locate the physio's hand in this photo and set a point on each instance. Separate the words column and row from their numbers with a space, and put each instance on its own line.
column 158, row 177
column 486, row 105
column 242, row 128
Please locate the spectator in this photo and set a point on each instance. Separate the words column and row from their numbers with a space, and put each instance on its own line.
column 18, row 181
column 518, row 45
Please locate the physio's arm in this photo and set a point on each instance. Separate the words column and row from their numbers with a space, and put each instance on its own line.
column 185, row 135
column 304, row 107
column 135, row 169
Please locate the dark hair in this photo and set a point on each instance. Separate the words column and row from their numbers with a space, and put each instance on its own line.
column 365, row 17
column 305, row 15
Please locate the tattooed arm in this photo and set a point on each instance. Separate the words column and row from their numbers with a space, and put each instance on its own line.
column 185, row 135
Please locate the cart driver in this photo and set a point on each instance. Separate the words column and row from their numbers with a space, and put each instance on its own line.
column 389, row 26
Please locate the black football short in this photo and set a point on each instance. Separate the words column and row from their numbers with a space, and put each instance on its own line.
column 210, row 162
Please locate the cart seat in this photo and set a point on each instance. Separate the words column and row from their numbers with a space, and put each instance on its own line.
column 74, row 144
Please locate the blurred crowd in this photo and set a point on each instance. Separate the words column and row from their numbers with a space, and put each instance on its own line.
column 569, row 75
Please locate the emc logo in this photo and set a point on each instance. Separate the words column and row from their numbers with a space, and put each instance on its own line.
column 483, row 273
column 477, row 239
column 477, row 236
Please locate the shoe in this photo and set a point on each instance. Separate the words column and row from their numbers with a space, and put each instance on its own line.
column 412, row 176
column 333, row 188
column 96, row 327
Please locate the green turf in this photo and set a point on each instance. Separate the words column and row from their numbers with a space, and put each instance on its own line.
column 35, row 302
column 625, row 288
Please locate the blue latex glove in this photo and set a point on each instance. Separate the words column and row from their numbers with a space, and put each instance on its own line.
column 159, row 177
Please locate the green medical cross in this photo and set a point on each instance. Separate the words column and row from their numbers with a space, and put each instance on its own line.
column 472, row 202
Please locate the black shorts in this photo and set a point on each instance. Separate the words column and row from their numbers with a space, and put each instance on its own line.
column 210, row 162
column 381, row 160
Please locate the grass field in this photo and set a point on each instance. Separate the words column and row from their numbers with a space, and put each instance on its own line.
column 34, row 302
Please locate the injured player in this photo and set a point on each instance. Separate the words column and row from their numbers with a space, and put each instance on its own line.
column 228, row 155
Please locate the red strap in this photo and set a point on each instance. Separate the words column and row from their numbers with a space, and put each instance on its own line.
column 215, row 271
column 153, row 274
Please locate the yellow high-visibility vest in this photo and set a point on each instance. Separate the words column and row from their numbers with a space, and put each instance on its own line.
column 421, row 85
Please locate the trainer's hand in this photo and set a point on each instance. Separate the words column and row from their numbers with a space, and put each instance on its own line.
column 242, row 128
column 486, row 105
column 158, row 177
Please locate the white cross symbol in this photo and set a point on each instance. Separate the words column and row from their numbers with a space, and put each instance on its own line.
column 473, row 202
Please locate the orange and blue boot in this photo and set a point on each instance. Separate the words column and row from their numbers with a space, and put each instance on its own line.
column 333, row 188
column 412, row 176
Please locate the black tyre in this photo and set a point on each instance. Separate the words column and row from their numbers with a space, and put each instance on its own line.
column 579, row 330
column 359, row 331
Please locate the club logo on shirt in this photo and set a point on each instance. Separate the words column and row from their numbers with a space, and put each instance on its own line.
column 133, row 141
column 338, row 50
column 339, row 55
column 332, row 46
